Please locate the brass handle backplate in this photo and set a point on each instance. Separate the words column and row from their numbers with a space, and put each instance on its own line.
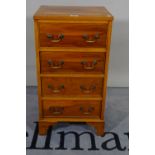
column 89, row 65
column 58, row 39
column 56, row 110
column 56, row 90
column 87, row 111
column 87, row 90
column 55, row 65
column 92, row 39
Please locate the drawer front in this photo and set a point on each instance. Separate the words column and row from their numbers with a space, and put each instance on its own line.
column 66, row 86
column 71, row 108
column 72, row 35
column 68, row 62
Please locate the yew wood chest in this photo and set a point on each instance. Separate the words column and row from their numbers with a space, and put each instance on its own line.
column 72, row 55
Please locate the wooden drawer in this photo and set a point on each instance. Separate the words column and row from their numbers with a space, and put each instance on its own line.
column 72, row 62
column 72, row 86
column 71, row 82
column 72, row 35
column 71, row 108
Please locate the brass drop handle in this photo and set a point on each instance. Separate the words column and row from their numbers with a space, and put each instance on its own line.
column 56, row 90
column 89, row 39
column 55, row 65
column 89, row 66
column 56, row 110
column 88, row 111
column 87, row 90
column 59, row 38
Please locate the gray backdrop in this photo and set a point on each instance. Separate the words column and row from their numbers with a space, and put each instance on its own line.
column 119, row 65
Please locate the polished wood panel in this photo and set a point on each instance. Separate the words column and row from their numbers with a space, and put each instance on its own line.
column 71, row 49
column 71, row 62
column 36, row 34
column 72, row 98
column 74, row 35
column 71, row 108
column 106, row 69
column 74, row 13
column 56, row 86
column 72, row 57
column 93, row 75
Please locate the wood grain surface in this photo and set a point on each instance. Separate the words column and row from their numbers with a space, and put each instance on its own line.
column 71, row 108
column 72, row 62
column 81, row 13
column 73, row 35
column 72, row 58
column 88, row 87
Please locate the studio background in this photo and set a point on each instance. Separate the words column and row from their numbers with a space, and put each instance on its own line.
column 119, row 59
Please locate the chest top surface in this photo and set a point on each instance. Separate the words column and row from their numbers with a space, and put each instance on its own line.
column 72, row 13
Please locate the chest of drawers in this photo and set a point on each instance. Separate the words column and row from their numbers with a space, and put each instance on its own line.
column 72, row 55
